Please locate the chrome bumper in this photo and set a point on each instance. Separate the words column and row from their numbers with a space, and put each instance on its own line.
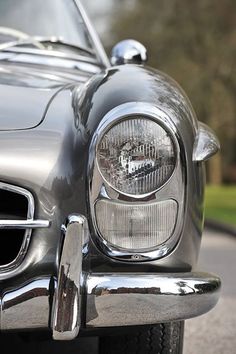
column 141, row 299
column 124, row 299
column 112, row 300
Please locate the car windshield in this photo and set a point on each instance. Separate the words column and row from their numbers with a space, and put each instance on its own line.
column 59, row 19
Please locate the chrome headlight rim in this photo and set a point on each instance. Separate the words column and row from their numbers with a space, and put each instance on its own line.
column 147, row 115
column 99, row 189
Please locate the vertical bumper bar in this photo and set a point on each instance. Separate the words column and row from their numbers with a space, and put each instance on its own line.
column 67, row 299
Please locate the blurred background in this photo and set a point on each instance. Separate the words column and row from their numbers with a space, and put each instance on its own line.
column 195, row 43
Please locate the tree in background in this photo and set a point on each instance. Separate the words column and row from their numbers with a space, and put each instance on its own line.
column 195, row 43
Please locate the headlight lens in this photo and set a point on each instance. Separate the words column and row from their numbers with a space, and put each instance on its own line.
column 136, row 227
column 136, row 156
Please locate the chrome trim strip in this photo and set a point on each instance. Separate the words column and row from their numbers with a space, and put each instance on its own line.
column 81, row 67
column 66, row 315
column 206, row 143
column 141, row 299
column 69, row 61
column 23, row 224
column 28, row 306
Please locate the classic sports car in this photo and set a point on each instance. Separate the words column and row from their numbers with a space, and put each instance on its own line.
column 101, row 187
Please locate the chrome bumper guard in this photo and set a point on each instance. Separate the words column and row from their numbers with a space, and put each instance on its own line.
column 124, row 299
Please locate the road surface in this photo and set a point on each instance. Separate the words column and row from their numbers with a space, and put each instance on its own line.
column 215, row 332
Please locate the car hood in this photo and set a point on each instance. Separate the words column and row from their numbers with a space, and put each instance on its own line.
column 25, row 93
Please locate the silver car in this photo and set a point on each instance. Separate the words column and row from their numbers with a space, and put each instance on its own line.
column 101, row 187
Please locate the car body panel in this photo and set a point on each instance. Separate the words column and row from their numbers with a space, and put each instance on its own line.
column 32, row 91
column 53, row 157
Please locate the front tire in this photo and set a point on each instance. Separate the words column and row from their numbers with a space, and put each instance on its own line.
column 159, row 339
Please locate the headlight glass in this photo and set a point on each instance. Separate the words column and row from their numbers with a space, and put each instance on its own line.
column 136, row 156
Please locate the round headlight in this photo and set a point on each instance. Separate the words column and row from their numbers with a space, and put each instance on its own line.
column 136, row 156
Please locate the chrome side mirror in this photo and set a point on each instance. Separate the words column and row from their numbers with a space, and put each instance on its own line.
column 128, row 51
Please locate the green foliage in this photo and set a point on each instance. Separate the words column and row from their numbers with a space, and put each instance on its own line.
column 194, row 42
column 221, row 204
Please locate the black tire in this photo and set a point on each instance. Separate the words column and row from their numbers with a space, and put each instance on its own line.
column 159, row 339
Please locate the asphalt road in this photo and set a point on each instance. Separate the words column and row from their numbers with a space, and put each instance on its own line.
column 213, row 333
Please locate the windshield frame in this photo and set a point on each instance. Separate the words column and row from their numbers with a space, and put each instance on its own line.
column 99, row 49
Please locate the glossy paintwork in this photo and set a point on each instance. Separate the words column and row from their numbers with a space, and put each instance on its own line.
column 139, row 84
column 51, row 161
column 29, row 102
column 45, row 161
column 30, row 88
